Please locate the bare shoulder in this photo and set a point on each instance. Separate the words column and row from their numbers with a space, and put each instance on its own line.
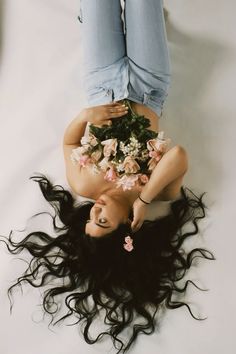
column 172, row 190
column 73, row 172
column 83, row 181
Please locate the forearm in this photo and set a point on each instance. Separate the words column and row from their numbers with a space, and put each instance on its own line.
column 172, row 165
column 75, row 130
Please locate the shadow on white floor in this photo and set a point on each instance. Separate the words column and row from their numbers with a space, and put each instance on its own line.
column 40, row 93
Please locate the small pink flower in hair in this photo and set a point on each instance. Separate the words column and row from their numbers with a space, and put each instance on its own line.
column 128, row 245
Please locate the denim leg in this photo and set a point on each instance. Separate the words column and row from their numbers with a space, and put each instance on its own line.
column 105, row 68
column 148, row 53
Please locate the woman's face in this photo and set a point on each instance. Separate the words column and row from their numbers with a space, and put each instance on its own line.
column 106, row 214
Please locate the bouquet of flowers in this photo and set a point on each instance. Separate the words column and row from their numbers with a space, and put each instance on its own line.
column 126, row 151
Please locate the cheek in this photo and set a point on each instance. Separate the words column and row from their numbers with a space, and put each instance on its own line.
column 116, row 213
column 86, row 229
column 92, row 213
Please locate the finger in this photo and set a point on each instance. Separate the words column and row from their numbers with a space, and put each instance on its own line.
column 112, row 104
column 134, row 224
column 135, row 228
column 138, row 227
column 118, row 108
column 108, row 122
column 117, row 115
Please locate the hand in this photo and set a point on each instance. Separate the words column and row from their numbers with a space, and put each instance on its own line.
column 139, row 212
column 102, row 115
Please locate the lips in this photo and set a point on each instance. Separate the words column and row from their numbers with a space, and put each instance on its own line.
column 100, row 201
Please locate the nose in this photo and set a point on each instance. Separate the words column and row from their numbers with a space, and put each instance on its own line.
column 96, row 210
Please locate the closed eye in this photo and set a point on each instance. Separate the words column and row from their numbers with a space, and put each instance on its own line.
column 104, row 227
column 102, row 221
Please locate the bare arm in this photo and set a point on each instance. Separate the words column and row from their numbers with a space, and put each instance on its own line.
column 97, row 115
column 166, row 178
column 75, row 130
column 172, row 165
column 71, row 140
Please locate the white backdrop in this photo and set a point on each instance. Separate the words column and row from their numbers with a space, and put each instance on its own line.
column 40, row 93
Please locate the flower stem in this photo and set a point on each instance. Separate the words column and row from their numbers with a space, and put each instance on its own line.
column 129, row 105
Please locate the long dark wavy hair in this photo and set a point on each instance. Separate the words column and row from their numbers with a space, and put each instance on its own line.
column 96, row 274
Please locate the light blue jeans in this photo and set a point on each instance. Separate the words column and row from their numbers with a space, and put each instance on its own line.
column 124, row 58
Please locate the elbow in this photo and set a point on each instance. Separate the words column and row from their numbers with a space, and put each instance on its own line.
column 182, row 155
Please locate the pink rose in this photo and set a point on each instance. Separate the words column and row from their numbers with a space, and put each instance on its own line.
column 130, row 165
column 77, row 153
column 158, row 145
column 92, row 140
column 104, row 164
column 157, row 148
column 96, row 155
column 89, row 140
column 156, row 154
column 127, row 182
column 151, row 144
column 110, row 146
column 110, row 175
column 84, row 160
column 144, row 179
column 80, row 150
